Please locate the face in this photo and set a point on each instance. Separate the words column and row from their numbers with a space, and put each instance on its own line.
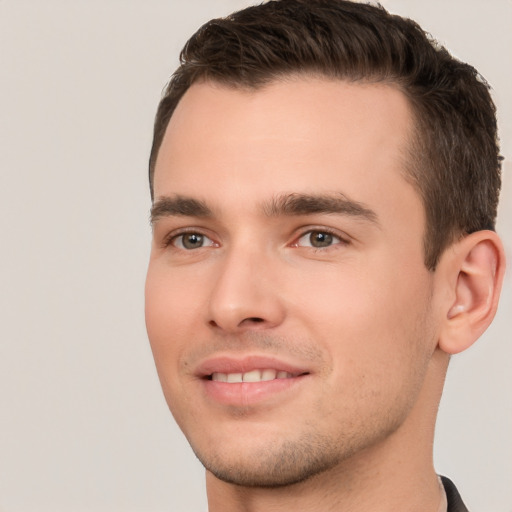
column 287, row 302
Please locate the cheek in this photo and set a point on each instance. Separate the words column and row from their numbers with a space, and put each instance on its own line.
column 170, row 312
column 170, row 294
column 376, row 338
column 171, row 319
column 371, row 322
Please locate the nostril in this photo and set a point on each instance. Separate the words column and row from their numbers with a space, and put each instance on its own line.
column 246, row 322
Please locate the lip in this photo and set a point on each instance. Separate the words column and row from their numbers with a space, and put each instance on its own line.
column 228, row 364
column 243, row 394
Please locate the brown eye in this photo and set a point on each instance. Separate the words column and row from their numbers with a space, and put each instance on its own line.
column 189, row 241
column 318, row 239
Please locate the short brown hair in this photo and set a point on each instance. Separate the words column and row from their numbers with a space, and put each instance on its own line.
column 454, row 155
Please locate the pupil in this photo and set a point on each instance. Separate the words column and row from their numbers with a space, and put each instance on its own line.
column 319, row 239
column 192, row 241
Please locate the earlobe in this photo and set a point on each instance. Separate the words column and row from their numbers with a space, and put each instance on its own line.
column 476, row 266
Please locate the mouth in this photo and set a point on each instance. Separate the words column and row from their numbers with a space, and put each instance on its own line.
column 265, row 375
column 250, row 380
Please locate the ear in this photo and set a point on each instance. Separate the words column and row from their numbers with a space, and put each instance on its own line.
column 473, row 270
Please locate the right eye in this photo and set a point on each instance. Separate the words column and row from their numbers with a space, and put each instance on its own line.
column 189, row 241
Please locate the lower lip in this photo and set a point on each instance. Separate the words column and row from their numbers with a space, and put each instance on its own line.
column 248, row 393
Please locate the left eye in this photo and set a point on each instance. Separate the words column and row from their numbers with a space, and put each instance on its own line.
column 190, row 241
column 318, row 239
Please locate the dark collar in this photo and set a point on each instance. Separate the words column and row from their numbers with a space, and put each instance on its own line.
column 455, row 503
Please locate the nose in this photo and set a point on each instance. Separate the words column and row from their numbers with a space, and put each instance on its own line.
column 246, row 294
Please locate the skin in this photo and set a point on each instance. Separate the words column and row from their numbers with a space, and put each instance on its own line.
column 360, row 317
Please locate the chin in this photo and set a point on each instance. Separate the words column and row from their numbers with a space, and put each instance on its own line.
column 284, row 458
column 282, row 464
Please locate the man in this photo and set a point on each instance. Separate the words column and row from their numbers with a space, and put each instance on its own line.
column 325, row 182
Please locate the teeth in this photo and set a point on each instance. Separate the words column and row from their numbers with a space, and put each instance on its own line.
column 268, row 375
column 252, row 376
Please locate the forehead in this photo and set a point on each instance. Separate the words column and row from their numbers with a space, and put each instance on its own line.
column 296, row 135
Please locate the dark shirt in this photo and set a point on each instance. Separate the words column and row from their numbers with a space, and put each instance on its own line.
column 455, row 503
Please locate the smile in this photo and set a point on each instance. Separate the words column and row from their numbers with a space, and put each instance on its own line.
column 251, row 376
column 249, row 380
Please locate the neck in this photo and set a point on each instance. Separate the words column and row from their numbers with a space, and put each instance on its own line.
column 396, row 473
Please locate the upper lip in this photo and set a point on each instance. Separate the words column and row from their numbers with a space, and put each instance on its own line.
column 233, row 364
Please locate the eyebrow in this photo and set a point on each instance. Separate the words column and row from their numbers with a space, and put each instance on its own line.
column 311, row 204
column 293, row 204
column 179, row 206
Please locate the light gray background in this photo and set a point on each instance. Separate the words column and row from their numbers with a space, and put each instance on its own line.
column 83, row 425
